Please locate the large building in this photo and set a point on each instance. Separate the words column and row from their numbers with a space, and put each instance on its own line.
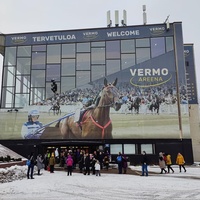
column 153, row 70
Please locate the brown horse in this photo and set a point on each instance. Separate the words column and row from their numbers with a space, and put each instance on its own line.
column 96, row 123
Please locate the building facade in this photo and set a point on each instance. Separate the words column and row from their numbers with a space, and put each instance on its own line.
column 148, row 62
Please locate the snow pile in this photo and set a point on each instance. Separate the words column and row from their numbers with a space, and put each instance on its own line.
column 12, row 173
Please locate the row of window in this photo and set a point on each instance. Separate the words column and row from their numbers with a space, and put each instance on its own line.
column 132, row 148
column 28, row 70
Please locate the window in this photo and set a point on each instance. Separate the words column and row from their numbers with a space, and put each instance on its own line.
column 38, row 78
column 83, row 61
column 10, row 56
column 83, row 47
column 128, row 60
column 82, row 78
column 115, row 148
column 112, row 66
column 38, row 60
column 53, row 53
column 112, row 49
column 98, row 56
column 68, row 67
column 53, row 72
column 147, row 147
column 142, row 54
column 9, row 76
column 68, row 51
column 23, row 65
column 21, row 100
column 129, row 148
column 24, row 51
column 157, row 46
column 98, row 71
column 97, row 44
column 143, row 42
column 37, row 95
column 22, row 84
column 169, row 44
column 67, row 83
column 39, row 48
column 8, row 97
column 128, row 46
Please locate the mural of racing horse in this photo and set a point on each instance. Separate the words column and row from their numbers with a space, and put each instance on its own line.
column 155, row 106
column 134, row 105
column 96, row 123
column 55, row 108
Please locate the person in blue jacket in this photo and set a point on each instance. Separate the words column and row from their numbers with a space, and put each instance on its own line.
column 31, row 128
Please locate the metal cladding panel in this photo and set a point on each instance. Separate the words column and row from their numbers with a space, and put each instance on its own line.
column 102, row 34
column 190, row 74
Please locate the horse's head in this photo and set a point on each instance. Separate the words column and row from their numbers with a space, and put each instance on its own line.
column 110, row 95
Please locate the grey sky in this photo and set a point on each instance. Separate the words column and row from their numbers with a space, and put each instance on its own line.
column 48, row 15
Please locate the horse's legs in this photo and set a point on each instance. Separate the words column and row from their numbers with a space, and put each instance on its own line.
column 64, row 130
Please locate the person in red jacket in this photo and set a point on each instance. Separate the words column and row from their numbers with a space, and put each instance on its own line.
column 69, row 163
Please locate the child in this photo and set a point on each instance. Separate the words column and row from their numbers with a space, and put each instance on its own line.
column 97, row 168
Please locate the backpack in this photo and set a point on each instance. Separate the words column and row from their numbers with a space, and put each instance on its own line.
column 69, row 162
column 28, row 162
column 119, row 158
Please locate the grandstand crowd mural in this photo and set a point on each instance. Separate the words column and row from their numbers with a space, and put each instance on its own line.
column 139, row 102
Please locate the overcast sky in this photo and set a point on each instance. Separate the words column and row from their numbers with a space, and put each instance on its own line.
column 48, row 15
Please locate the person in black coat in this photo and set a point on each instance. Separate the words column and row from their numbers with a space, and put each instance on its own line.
column 81, row 162
column 144, row 164
column 87, row 163
column 31, row 166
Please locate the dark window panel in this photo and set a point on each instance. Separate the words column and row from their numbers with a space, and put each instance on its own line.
column 113, row 49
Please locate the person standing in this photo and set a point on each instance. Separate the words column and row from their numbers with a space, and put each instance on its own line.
column 124, row 163
column 144, row 164
column 81, row 161
column 87, row 163
column 97, row 168
column 169, row 163
column 106, row 162
column 46, row 159
column 31, row 166
column 69, row 163
column 40, row 164
column 119, row 162
column 93, row 162
column 52, row 163
column 180, row 161
column 162, row 163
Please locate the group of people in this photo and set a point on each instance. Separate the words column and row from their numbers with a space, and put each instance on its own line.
column 165, row 163
column 93, row 163
column 45, row 162
column 122, row 162
column 39, row 162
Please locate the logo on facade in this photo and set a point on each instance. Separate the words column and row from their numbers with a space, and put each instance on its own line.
column 156, row 31
column 18, row 39
column 90, row 35
column 186, row 53
column 149, row 77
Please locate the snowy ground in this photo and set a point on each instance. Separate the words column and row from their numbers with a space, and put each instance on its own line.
column 59, row 186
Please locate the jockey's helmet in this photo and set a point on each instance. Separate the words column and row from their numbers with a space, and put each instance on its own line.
column 34, row 113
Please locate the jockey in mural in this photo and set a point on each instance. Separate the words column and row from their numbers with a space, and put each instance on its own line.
column 31, row 127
